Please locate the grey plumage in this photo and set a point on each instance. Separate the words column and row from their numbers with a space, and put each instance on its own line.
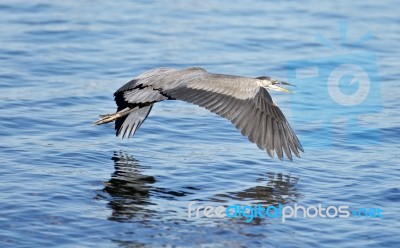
column 244, row 101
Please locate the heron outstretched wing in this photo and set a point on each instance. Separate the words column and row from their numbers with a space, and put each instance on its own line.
column 248, row 106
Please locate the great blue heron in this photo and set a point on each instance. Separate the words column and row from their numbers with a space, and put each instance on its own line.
column 244, row 101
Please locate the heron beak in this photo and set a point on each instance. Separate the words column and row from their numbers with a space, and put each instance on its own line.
column 280, row 88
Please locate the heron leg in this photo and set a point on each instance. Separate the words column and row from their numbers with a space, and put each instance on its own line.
column 112, row 117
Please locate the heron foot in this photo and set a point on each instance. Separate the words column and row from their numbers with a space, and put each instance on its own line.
column 111, row 117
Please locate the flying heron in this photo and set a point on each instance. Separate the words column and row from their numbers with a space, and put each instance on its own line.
column 244, row 101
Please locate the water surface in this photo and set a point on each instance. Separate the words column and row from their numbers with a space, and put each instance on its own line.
column 65, row 183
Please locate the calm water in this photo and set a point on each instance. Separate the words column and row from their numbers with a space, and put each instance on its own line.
column 65, row 183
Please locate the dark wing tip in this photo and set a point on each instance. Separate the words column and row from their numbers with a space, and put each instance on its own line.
column 300, row 147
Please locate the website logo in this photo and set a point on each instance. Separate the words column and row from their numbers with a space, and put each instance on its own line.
column 336, row 93
column 250, row 212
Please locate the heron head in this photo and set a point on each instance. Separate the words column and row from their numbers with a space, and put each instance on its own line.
column 274, row 84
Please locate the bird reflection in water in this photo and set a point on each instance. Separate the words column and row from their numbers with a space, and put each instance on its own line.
column 279, row 189
column 275, row 188
column 128, row 189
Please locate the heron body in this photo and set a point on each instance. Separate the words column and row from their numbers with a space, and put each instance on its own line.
column 244, row 101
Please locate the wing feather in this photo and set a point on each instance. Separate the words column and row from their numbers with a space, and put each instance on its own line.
column 262, row 131
column 285, row 143
column 270, row 138
column 249, row 123
column 127, row 126
column 225, row 108
column 277, row 140
column 255, row 131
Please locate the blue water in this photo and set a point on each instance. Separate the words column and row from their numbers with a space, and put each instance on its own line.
column 65, row 183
